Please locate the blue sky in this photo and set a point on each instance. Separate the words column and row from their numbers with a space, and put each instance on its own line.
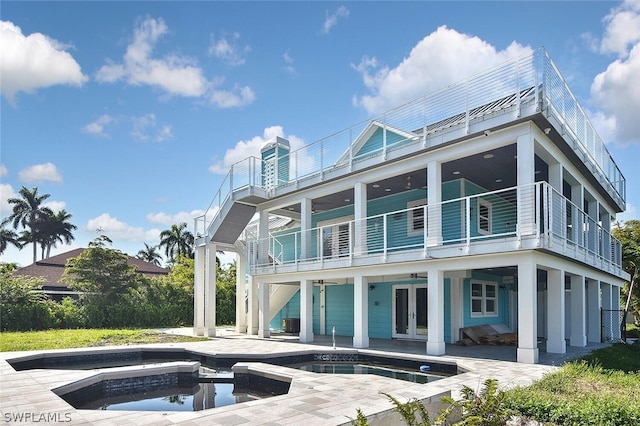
column 130, row 113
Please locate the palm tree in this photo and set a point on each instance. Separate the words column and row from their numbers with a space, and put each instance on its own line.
column 149, row 254
column 28, row 211
column 177, row 241
column 56, row 229
column 7, row 236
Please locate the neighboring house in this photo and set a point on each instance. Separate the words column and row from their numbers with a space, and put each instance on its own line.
column 52, row 268
column 488, row 202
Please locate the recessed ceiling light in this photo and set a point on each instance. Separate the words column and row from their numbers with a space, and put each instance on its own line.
column 347, row 200
column 388, row 189
column 538, row 172
column 487, row 156
column 498, row 180
column 457, row 172
column 290, row 208
column 375, row 185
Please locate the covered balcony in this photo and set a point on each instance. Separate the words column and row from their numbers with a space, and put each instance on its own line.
column 531, row 217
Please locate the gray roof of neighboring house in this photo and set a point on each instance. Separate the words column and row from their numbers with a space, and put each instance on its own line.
column 51, row 269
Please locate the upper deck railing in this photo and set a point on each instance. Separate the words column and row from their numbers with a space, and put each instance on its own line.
column 531, row 81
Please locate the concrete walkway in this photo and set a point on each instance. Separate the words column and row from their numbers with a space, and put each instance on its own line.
column 313, row 399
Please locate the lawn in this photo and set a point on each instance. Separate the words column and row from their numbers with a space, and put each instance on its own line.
column 82, row 338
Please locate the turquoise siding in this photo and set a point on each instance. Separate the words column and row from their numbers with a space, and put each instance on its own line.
column 504, row 213
column 290, row 310
column 376, row 142
column 339, row 309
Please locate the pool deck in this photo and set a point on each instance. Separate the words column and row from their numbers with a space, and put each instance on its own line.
column 313, row 399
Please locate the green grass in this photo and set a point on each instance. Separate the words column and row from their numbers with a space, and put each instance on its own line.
column 633, row 331
column 602, row 388
column 82, row 338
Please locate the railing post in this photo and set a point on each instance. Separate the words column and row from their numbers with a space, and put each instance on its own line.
column 537, row 218
column 425, row 228
column 384, row 235
column 467, row 201
column 231, row 181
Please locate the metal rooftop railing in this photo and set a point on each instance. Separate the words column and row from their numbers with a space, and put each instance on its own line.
column 531, row 80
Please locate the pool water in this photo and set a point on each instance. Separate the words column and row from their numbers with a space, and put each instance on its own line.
column 378, row 370
column 202, row 396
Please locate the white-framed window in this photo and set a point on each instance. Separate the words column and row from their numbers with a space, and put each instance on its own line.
column 484, row 299
column 415, row 217
column 484, row 217
column 334, row 237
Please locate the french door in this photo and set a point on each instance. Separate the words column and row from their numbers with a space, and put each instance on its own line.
column 410, row 311
column 335, row 241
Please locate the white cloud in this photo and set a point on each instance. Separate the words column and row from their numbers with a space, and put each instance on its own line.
column 55, row 206
column 3, row 170
column 39, row 173
column 240, row 96
column 331, row 18
column 118, row 230
column 439, row 59
column 252, row 147
column 35, row 61
column 97, row 127
column 145, row 128
column 176, row 75
column 229, row 50
column 6, row 192
column 288, row 63
column 631, row 213
column 616, row 91
column 622, row 28
column 165, row 219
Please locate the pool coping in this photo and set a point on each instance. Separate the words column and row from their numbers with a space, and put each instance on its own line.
column 312, row 399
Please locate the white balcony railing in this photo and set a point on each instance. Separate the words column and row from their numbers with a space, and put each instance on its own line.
column 529, row 81
column 535, row 212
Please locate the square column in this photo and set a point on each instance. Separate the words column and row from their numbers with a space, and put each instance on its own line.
column 593, row 314
column 615, row 304
column 252, row 312
column 241, row 293
column 198, row 291
column 210, row 291
column 527, row 313
column 305, row 228
column 556, row 342
column 606, row 305
column 360, row 215
column 263, row 237
column 435, row 312
column 434, row 204
column 578, row 312
column 306, row 311
column 360, row 312
column 263, row 311
column 526, row 179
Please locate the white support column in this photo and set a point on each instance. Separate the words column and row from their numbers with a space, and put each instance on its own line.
column 556, row 342
column 526, row 190
column 306, row 311
column 360, row 312
column 457, row 308
column 434, row 204
column 252, row 313
column 263, row 311
column 615, row 304
column 578, row 312
column 556, row 176
column 606, row 305
column 210, row 291
column 605, row 219
column 241, row 293
column 263, row 237
column 435, row 312
column 577, row 198
column 305, row 228
column 527, row 313
column 198, row 291
column 593, row 313
column 360, row 215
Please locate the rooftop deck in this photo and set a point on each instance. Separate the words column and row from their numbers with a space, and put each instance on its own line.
column 524, row 88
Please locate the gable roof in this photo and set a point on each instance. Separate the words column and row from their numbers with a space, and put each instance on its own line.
column 52, row 268
column 359, row 145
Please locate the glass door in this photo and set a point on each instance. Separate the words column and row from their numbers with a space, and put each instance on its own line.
column 410, row 311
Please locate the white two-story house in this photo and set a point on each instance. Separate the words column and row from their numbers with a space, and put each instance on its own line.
column 487, row 202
